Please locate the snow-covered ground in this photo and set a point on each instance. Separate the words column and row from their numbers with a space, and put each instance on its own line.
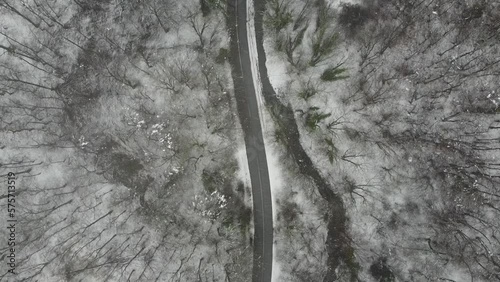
column 243, row 171
column 392, row 214
column 338, row 3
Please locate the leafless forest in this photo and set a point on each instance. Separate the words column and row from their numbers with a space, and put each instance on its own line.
column 118, row 120
column 398, row 106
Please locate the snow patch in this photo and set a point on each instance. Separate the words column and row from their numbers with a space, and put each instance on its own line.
column 276, row 268
column 276, row 67
column 243, row 171
column 338, row 3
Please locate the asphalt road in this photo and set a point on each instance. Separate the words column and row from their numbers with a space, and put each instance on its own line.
column 248, row 112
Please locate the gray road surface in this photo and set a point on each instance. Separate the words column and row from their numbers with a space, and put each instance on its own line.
column 248, row 111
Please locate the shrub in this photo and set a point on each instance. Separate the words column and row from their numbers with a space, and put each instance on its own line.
column 289, row 212
column 322, row 46
column 125, row 169
column 334, row 74
column 207, row 6
column 223, row 55
column 307, row 91
column 381, row 271
column 279, row 15
column 332, row 150
column 352, row 17
column 474, row 12
column 313, row 118
column 211, row 180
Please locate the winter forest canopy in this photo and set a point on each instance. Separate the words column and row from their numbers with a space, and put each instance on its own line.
column 397, row 103
column 119, row 120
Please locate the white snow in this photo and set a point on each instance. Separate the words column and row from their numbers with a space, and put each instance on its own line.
column 276, row 67
column 243, row 171
column 338, row 3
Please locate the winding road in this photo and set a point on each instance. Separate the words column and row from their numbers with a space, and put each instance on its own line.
column 248, row 111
